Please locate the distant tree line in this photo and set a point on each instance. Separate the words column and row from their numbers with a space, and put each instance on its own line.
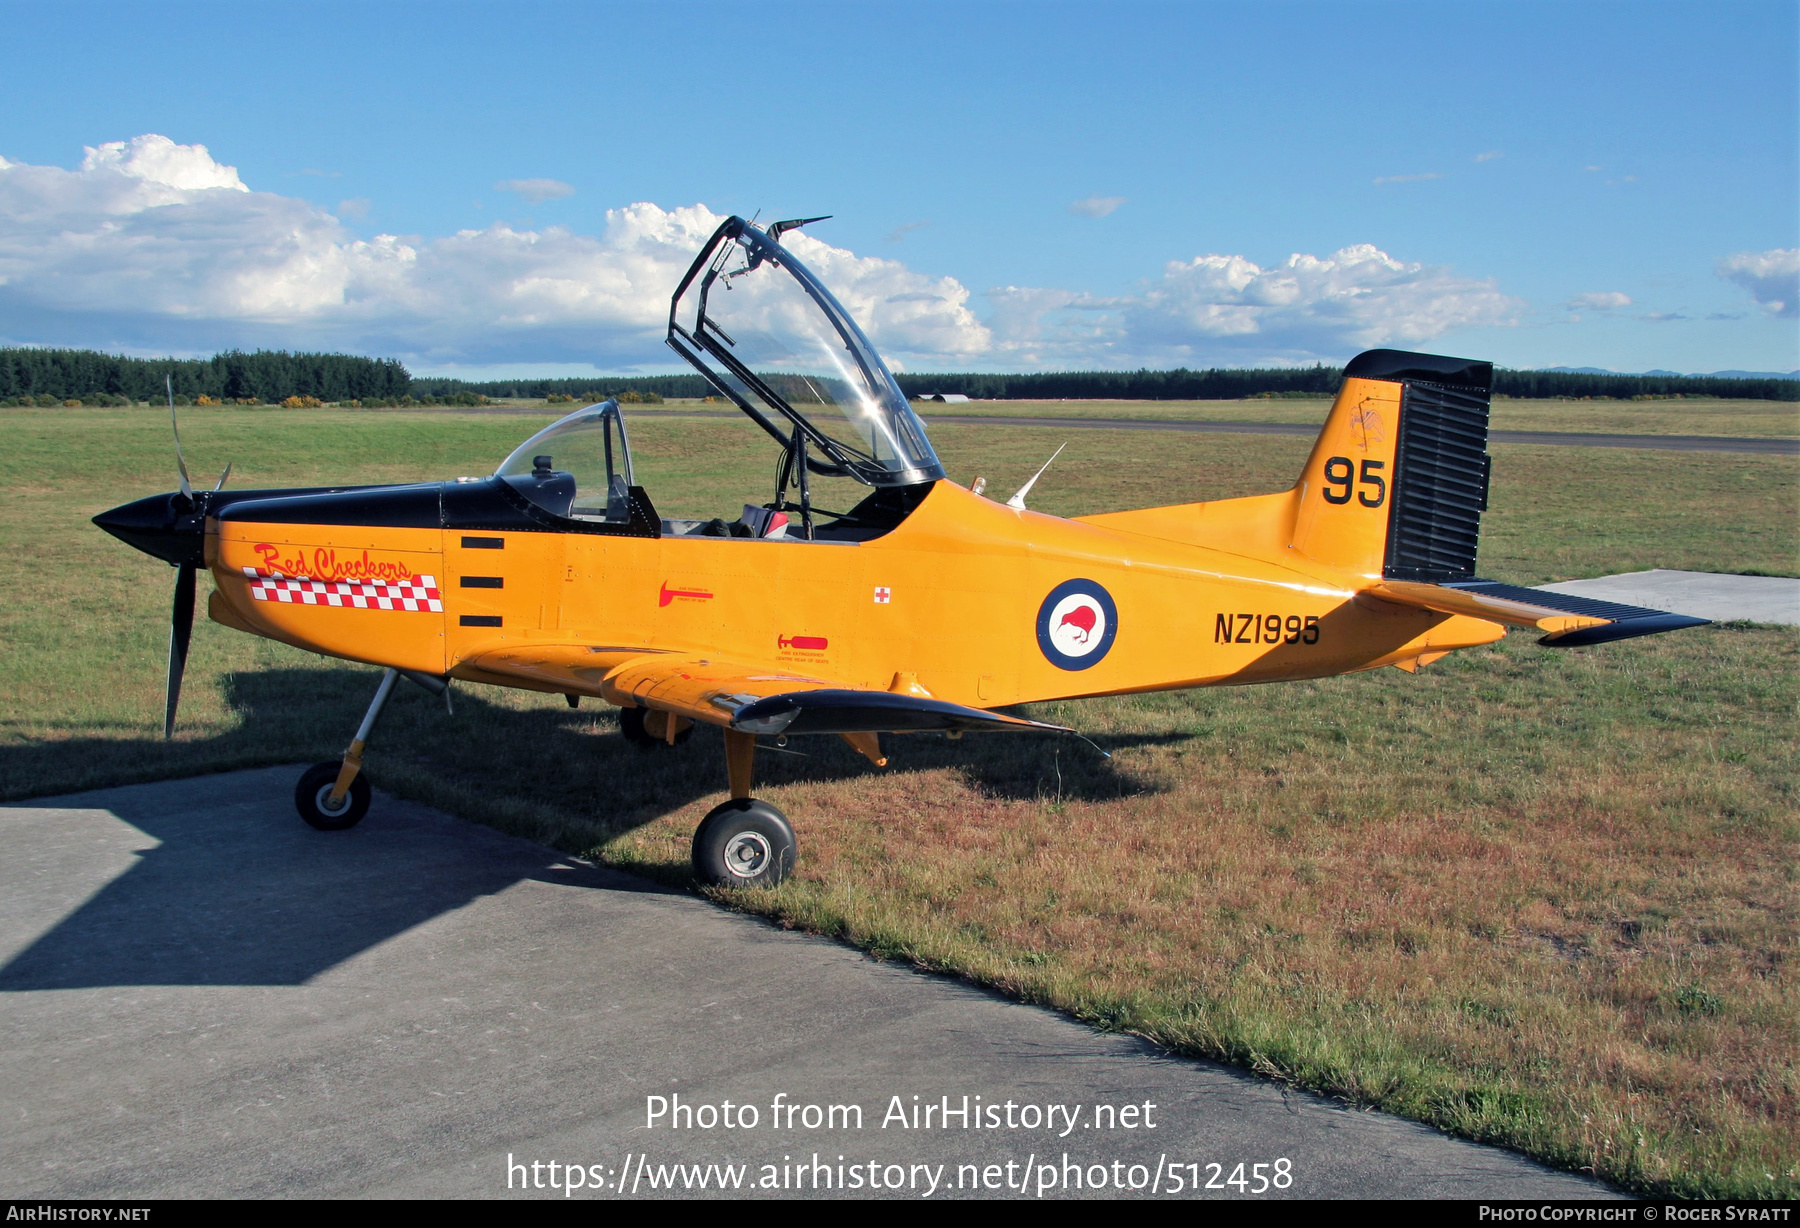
column 1229, row 384
column 267, row 376
column 1216, row 384
column 1625, row 387
column 274, row 376
column 586, row 389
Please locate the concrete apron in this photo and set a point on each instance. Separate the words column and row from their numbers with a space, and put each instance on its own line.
column 203, row 997
column 1699, row 594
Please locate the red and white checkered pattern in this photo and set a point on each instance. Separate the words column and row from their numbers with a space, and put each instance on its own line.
column 419, row 594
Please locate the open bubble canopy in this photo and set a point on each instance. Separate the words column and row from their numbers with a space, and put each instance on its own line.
column 770, row 336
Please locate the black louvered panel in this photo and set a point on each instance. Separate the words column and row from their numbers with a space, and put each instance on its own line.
column 1440, row 484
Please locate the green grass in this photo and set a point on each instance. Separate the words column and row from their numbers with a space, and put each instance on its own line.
column 1690, row 416
column 1541, row 898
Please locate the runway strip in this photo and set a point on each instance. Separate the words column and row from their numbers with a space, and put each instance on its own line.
column 1701, row 594
column 203, row 997
column 1560, row 439
column 1666, row 443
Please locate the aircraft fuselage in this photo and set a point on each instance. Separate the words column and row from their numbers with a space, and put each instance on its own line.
column 959, row 596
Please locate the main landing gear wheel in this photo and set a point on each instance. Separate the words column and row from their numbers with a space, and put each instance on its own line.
column 631, row 724
column 312, row 797
column 744, row 843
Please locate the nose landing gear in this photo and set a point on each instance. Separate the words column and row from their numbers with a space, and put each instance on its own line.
column 335, row 796
column 312, row 798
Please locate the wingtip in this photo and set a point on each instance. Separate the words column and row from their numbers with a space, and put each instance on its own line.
column 1624, row 629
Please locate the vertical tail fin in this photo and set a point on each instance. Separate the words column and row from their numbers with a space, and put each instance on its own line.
column 1398, row 478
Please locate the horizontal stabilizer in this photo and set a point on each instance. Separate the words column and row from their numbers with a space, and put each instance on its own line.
column 846, row 711
column 1568, row 621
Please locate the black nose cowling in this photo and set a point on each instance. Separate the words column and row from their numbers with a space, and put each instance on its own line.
column 171, row 527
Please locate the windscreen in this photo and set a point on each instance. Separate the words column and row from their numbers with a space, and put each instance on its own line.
column 768, row 334
column 590, row 446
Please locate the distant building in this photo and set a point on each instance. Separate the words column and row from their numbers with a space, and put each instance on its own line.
column 944, row 398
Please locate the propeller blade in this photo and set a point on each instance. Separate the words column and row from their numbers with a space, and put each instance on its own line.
column 223, row 476
column 181, row 633
column 180, row 463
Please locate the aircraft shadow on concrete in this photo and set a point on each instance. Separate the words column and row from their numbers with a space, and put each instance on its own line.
column 241, row 892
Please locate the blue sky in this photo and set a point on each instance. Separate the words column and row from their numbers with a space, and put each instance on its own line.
column 1605, row 184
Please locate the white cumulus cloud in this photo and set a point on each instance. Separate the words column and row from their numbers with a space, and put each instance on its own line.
column 1358, row 296
column 1228, row 309
column 537, row 191
column 158, row 160
column 1600, row 300
column 151, row 246
column 1771, row 277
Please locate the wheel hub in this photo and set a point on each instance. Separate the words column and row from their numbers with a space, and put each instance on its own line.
column 324, row 801
column 747, row 853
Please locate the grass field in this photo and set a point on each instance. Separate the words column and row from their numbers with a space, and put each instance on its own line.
column 1546, row 899
column 1765, row 419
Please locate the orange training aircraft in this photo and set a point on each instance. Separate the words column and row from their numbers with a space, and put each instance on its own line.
column 923, row 607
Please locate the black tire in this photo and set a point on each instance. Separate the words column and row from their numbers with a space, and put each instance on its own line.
column 744, row 843
column 311, row 794
column 631, row 724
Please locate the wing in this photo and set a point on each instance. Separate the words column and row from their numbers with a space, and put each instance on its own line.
column 755, row 699
column 1568, row 622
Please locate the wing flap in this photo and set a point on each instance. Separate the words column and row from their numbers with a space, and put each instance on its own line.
column 756, row 699
column 702, row 688
column 838, row 710
column 1567, row 621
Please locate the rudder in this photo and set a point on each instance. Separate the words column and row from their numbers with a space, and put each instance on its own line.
column 1398, row 478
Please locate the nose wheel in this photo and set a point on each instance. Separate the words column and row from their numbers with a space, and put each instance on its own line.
column 312, row 798
column 744, row 842
column 334, row 796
